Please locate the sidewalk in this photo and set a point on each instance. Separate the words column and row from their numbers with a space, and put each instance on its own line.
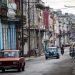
column 73, row 66
column 30, row 58
column 33, row 57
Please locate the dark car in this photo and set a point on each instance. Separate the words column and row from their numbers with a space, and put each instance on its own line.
column 11, row 59
column 51, row 52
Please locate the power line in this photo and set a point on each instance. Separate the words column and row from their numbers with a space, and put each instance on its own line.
column 69, row 6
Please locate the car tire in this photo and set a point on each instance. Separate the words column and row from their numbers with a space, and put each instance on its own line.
column 46, row 57
column 57, row 57
column 3, row 70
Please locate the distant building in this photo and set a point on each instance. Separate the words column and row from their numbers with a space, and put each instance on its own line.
column 63, row 28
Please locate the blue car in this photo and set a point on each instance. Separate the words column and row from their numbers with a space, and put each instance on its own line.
column 52, row 52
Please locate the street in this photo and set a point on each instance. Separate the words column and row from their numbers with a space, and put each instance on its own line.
column 40, row 66
column 31, row 31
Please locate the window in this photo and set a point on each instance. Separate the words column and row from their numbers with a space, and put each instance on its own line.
column 0, row 2
column 11, row 1
column 4, row 2
column 9, row 54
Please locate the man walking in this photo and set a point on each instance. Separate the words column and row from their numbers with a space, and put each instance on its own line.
column 62, row 50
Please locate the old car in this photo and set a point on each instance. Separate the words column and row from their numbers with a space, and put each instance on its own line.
column 51, row 52
column 11, row 59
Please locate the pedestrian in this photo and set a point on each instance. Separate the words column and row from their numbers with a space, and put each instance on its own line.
column 73, row 52
column 36, row 51
column 62, row 50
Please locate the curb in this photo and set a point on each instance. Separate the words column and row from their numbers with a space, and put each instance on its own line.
column 32, row 58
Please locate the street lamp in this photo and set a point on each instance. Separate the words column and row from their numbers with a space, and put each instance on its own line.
column 22, row 27
column 29, row 26
column 59, row 37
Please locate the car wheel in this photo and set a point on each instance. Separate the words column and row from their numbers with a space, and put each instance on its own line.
column 3, row 70
column 57, row 57
column 46, row 57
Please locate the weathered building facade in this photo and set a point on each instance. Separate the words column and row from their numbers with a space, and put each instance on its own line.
column 7, row 25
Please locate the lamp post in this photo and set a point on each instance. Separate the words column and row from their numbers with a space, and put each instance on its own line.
column 29, row 26
column 53, row 30
column 22, row 27
column 59, row 37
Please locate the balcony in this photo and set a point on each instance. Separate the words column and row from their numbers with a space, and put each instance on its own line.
column 40, row 4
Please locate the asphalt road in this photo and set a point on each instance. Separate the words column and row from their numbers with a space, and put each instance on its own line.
column 39, row 66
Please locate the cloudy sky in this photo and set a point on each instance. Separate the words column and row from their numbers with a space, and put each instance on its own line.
column 60, row 4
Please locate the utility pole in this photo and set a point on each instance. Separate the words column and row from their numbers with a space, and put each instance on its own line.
column 22, row 27
column 39, row 41
column 53, row 31
column 34, row 24
column 59, row 37
column 29, row 25
column 39, row 35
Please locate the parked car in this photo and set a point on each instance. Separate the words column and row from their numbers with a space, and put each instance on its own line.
column 52, row 52
column 11, row 59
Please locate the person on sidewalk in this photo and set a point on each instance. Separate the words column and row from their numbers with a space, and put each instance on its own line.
column 62, row 50
column 73, row 53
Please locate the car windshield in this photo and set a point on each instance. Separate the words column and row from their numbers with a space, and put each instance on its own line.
column 51, row 49
column 9, row 54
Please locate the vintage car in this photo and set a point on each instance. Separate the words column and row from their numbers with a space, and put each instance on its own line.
column 52, row 52
column 11, row 59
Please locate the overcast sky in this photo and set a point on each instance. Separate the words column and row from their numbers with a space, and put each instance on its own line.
column 59, row 4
